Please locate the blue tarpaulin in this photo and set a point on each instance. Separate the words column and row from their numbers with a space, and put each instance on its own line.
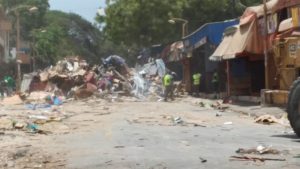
column 210, row 32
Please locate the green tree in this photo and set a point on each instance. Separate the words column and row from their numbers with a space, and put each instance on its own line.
column 205, row 11
column 145, row 22
column 28, row 20
column 141, row 22
column 68, row 34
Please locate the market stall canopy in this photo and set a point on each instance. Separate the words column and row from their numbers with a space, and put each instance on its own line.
column 286, row 25
column 235, row 40
column 210, row 32
column 249, row 35
column 251, row 13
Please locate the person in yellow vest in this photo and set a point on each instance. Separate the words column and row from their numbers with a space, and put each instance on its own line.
column 215, row 83
column 168, row 85
column 196, row 83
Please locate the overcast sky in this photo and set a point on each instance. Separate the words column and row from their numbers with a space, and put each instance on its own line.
column 86, row 8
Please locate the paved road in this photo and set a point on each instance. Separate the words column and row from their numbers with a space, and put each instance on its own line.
column 143, row 135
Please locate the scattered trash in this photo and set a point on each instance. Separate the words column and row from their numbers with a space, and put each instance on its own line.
column 265, row 150
column 32, row 127
column 269, row 119
column 19, row 125
column 54, row 100
column 259, row 150
column 178, row 120
column 228, row 123
column 255, row 159
column 39, row 117
column 202, row 160
column 218, row 114
column 37, row 106
column 206, row 105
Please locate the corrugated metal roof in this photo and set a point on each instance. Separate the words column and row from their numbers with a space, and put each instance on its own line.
column 210, row 32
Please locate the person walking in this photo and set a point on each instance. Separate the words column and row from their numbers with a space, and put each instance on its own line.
column 196, row 83
column 168, row 85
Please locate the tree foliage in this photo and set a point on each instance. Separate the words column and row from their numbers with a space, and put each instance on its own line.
column 29, row 20
column 68, row 34
column 53, row 35
column 127, row 26
column 142, row 22
column 145, row 22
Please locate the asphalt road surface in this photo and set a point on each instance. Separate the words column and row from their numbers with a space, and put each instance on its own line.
column 158, row 135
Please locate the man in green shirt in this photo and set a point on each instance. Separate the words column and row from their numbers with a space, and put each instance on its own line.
column 196, row 83
column 10, row 84
column 168, row 84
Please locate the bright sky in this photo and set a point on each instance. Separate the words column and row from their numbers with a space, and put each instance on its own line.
column 86, row 8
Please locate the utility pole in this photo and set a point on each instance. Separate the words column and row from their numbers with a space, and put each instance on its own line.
column 18, row 50
column 266, row 45
column 17, row 14
column 186, row 61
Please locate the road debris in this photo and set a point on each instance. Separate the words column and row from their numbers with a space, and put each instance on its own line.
column 269, row 119
column 228, row 123
column 255, row 159
column 218, row 114
column 177, row 120
column 202, row 160
column 259, row 150
column 19, row 125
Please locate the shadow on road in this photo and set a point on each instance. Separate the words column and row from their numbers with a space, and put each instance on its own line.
column 289, row 136
column 297, row 156
column 244, row 104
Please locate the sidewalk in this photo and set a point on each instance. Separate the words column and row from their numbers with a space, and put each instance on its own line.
column 248, row 108
column 249, row 105
column 256, row 110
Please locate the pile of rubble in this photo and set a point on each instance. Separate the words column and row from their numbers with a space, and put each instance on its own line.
column 74, row 78
column 43, row 93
